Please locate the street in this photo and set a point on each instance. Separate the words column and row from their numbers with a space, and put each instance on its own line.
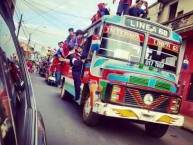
column 64, row 126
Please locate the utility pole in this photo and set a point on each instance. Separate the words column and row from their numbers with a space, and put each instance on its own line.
column 28, row 44
column 19, row 25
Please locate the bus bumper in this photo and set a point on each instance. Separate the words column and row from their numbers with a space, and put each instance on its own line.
column 137, row 114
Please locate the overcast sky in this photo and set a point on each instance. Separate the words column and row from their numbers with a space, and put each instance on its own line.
column 49, row 20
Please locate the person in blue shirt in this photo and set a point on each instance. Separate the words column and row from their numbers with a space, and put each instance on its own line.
column 136, row 10
column 71, row 35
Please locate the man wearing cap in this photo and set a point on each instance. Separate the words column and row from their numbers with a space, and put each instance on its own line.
column 71, row 36
column 123, row 7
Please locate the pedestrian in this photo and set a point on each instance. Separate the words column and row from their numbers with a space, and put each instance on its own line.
column 71, row 35
column 123, row 7
column 136, row 10
column 56, row 68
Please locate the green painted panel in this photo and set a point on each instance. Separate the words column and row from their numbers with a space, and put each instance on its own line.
column 139, row 80
column 162, row 85
column 104, row 85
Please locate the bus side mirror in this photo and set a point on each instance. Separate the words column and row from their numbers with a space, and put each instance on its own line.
column 95, row 45
column 185, row 64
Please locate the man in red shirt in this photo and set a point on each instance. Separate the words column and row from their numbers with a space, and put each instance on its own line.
column 56, row 66
column 123, row 7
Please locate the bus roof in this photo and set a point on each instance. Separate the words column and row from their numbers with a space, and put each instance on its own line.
column 141, row 25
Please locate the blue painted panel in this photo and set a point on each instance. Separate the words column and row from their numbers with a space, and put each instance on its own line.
column 114, row 19
column 99, row 62
column 121, row 78
column 152, row 82
column 176, row 37
column 87, row 65
column 173, row 89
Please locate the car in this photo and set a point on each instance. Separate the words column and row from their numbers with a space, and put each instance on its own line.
column 20, row 121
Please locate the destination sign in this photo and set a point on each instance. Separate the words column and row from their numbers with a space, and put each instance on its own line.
column 164, row 44
column 117, row 31
column 147, row 27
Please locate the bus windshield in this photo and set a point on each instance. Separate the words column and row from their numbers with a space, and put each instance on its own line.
column 121, row 43
column 162, row 54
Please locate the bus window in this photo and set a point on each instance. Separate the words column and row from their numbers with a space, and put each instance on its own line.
column 162, row 54
column 120, row 43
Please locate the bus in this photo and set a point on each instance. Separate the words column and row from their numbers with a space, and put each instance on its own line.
column 131, row 72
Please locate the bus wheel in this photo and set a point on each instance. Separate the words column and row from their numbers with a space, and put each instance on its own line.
column 89, row 118
column 156, row 130
column 63, row 93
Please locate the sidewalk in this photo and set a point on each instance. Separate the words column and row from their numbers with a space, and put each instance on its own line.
column 188, row 123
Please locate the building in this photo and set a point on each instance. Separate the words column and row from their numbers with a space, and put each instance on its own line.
column 178, row 15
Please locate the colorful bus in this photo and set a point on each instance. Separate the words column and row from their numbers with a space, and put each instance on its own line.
column 131, row 72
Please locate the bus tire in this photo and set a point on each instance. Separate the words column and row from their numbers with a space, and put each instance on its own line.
column 63, row 93
column 156, row 130
column 89, row 117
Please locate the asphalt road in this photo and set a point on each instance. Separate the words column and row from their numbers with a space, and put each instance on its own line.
column 64, row 126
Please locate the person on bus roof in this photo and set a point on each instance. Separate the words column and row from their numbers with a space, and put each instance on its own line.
column 102, row 10
column 123, row 7
column 71, row 35
column 136, row 10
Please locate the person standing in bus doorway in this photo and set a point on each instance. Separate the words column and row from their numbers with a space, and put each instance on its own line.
column 123, row 7
column 136, row 10
column 76, row 61
column 71, row 35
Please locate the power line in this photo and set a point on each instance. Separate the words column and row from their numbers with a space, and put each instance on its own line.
column 32, row 8
column 44, row 32
column 50, row 16
column 53, row 9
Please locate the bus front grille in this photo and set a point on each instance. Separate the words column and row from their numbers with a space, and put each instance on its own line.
column 135, row 98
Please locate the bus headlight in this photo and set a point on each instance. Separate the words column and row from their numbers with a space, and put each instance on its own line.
column 117, row 94
column 174, row 105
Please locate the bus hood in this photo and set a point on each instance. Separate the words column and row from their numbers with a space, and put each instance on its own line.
column 142, row 77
